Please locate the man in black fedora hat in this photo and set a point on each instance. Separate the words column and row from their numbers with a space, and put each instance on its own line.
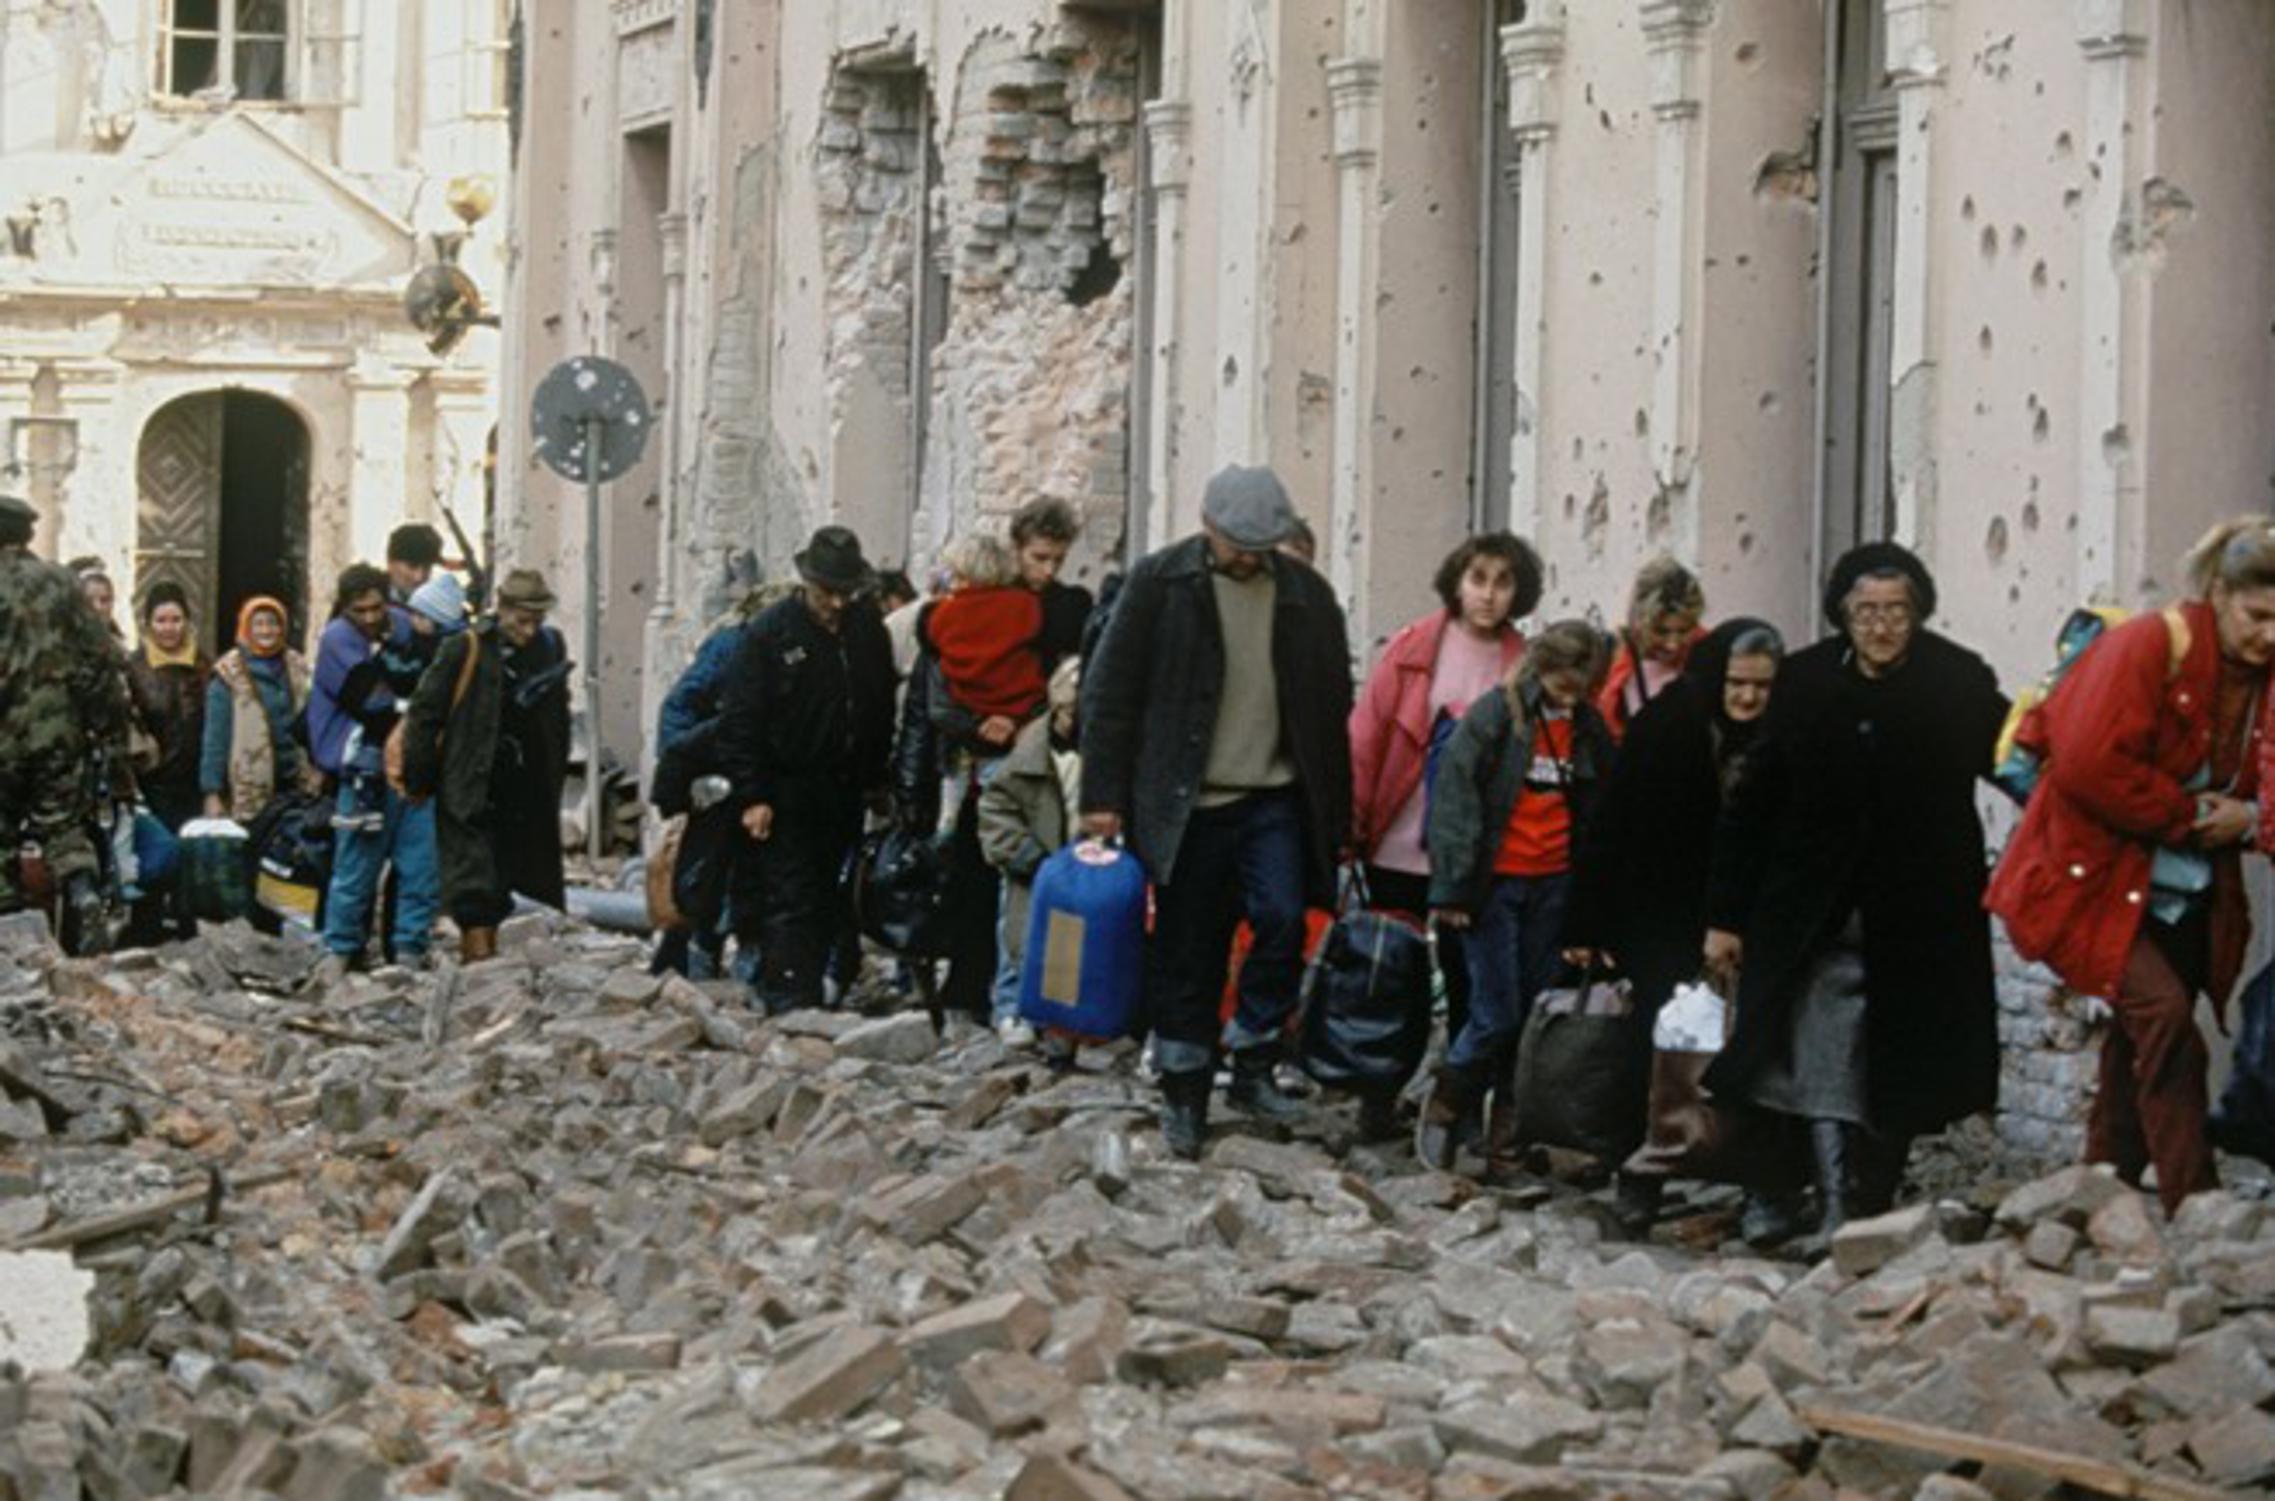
column 806, row 737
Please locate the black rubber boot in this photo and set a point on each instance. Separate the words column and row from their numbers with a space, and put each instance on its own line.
column 1878, row 1171
column 1254, row 1091
column 1378, row 1115
column 1185, row 1113
column 1771, row 1219
column 1832, row 1142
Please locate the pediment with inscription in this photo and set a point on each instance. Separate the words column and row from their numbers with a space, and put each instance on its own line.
column 231, row 204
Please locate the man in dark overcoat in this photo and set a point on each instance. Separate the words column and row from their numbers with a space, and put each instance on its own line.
column 1848, row 888
column 1213, row 737
column 487, row 736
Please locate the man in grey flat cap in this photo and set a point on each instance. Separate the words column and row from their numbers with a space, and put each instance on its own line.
column 1213, row 739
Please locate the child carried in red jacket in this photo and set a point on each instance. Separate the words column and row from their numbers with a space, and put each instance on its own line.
column 986, row 634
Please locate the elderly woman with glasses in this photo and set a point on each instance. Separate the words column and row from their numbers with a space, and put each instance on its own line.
column 1847, row 890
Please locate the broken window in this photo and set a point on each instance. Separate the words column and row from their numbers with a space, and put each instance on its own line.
column 226, row 49
column 1860, row 244
column 1494, row 427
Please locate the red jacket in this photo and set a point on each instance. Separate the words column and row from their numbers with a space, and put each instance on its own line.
column 2126, row 733
column 1390, row 725
column 988, row 644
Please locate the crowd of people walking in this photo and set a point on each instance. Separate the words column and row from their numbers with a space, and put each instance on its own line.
column 1679, row 803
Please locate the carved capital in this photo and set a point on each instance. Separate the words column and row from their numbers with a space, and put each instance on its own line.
column 1354, row 93
column 1532, row 55
column 1675, row 33
column 2109, row 29
column 1169, row 145
column 1918, row 42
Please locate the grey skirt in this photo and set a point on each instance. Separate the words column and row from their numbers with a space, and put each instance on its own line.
column 1822, row 1073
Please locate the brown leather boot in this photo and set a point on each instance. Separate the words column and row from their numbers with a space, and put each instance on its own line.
column 1504, row 1156
column 477, row 944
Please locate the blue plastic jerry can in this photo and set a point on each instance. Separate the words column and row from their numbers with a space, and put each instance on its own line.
column 1085, row 964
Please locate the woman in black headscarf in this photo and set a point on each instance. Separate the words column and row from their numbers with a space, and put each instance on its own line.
column 1848, row 882
column 1640, row 894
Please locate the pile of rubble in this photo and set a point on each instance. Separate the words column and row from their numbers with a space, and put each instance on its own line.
column 550, row 1226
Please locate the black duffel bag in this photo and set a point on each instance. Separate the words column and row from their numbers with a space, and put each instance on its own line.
column 899, row 884
column 292, row 855
column 1583, row 1070
column 1366, row 999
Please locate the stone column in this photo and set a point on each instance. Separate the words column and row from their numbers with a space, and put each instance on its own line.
column 1169, row 176
column 2112, row 307
column 1354, row 91
column 1247, row 145
column 380, row 428
column 100, row 482
column 1675, row 33
column 1532, row 53
column 1918, row 52
column 660, row 648
column 461, row 442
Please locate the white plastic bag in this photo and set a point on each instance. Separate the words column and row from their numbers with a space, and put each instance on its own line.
column 1694, row 1020
column 214, row 828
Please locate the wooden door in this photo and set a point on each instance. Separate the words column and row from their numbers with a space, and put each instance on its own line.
column 178, row 484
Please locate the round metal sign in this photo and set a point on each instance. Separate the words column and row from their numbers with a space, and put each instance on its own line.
column 576, row 394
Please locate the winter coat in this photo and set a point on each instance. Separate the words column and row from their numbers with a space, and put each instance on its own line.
column 696, row 695
column 1390, row 726
column 169, row 703
column 2124, row 734
column 1483, row 776
column 808, row 711
column 249, row 755
column 1860, row 797
column 1067, row 609
column 1151, row 692
column 349, row 690
column 1022, row 823
column 494, row 767
column 1639, row 882
column 1626, row 666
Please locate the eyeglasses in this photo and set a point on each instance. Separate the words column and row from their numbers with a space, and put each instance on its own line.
column 1877, row 614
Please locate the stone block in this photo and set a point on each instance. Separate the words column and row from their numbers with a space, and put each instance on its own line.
column 1168, row 1355
column 2236, row 1450
column 436, row 1210
column 2050, row 1244
column 1862, row 1247
column 832, row 1378
column 1337, row 1413
column 1087, row 1338
column 2127, row 1230
column 1054, row 1477
column 1526, row 1428
column 921, row 1209
column 621, row 1352
column 2131, row 1336
column 2071, row 1196
column 904, row 1038
column 1006, row 1393
column 44, row 1322
column 1008, row 1321
column 337, row 1464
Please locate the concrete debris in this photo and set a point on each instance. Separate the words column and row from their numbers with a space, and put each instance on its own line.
column 545, row 1226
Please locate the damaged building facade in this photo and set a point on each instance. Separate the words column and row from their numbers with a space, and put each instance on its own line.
column 1747, row 280
column 213, row 209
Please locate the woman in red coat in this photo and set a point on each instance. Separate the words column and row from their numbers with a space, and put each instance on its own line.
column 1428, row 675
column 2126, row 875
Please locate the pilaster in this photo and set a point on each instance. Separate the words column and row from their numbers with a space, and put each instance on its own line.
column 379, row 477
column 1918, row 48
column 2112, row 307
column 1354, row 93
column 1169, row 179
column 1532, row 54
column 1675, row 31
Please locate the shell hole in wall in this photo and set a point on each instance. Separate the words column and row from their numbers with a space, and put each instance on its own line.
column 1101, row 273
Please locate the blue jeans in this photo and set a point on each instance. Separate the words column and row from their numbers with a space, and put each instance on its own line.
column 1514, row 951
column 404, row 837
column 1245, row 859
column 1008, row 968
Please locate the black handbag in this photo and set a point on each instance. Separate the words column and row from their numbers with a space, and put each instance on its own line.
column 901, row 892
column 1366, row 998
column 1583, row 1070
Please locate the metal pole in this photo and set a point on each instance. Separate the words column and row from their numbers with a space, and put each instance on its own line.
column 596, row 429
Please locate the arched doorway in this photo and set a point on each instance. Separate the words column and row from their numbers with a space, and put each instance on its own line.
column 222, row 511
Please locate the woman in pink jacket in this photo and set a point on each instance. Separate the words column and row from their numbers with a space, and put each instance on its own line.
column 1429, row 673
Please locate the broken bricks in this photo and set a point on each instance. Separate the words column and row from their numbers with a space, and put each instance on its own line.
column 642, row 1240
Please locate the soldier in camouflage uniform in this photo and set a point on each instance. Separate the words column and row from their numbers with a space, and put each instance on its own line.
column 63, row 716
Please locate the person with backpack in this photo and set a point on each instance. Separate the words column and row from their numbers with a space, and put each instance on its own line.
column 2125, row 877
column 1847, row 889
column 486, row 737
column 1431, row 671
column 1510, row 804
column 352, row 709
